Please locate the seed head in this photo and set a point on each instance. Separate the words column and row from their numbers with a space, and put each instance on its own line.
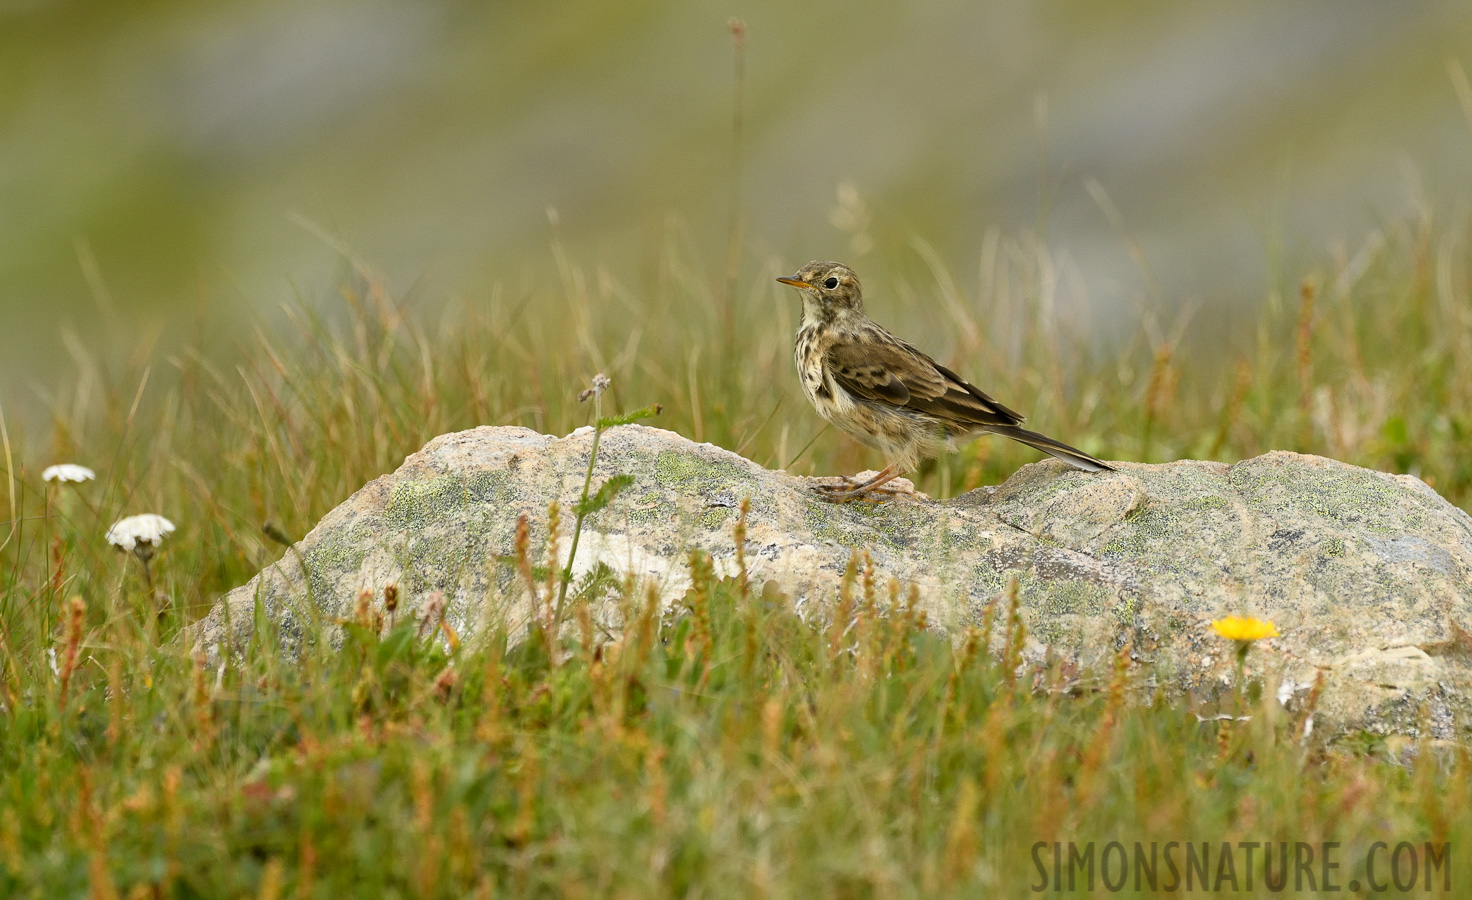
column 601, row 383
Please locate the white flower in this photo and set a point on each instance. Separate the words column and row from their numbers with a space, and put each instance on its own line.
column 126, row 534
column 68, row 472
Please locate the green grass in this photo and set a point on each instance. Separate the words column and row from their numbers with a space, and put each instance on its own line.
column 727, row 746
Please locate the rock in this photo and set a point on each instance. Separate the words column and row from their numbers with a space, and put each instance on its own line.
column 1368, row 576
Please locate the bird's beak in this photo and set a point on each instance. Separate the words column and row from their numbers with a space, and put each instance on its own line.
column 794, row 281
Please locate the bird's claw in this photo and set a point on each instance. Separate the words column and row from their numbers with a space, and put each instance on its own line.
column 848, row 490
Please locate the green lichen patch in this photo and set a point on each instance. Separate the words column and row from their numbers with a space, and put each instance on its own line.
column 646, row 511
column 1141, row 528
column 826, row 522
column 714, row 517
column 1039, row 486
column 436, row 561
column 1062, row 597
column 966, row 537
column 429, row 500
column 1131, row 543
column 335, row 554
column 1071, row 634
column 1050, row 592
column 898, row 525
column 1207, row 503
column 1342, row 494
column 689, row 473
column 986, row 580
column 489, row 486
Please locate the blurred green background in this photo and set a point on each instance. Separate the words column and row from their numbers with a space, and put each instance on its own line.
column 165, row 163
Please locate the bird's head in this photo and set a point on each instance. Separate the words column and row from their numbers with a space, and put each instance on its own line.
column 827, row 287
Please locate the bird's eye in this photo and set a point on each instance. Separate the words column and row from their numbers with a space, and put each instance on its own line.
column 831, row 283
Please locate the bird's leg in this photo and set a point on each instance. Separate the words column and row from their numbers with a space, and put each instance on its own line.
column 851, row 491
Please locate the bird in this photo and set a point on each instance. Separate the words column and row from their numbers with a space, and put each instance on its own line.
column 887, row 394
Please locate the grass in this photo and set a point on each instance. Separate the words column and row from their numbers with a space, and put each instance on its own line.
column 725, row 745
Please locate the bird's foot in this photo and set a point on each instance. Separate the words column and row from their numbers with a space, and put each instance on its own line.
column 834, row 494
column 846, row 490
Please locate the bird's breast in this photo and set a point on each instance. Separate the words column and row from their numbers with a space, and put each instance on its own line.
column 827, row 398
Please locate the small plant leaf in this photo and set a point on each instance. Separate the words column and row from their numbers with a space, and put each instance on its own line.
column 399, row 643
column 629, row 418
column 603, row 496
column 601, row 578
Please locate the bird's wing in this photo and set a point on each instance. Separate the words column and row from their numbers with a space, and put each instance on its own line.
column 884, row 369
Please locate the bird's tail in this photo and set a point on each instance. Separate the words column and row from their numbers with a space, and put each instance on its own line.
column 1071, row 455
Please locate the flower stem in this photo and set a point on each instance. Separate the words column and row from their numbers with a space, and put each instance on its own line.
column 577, row 526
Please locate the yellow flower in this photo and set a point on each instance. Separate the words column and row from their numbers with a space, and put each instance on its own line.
column 1244, row 629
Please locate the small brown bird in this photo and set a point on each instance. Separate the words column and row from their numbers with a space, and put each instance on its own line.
column 887, row 394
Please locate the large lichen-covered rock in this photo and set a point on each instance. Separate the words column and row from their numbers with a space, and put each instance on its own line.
column 1367, row 575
